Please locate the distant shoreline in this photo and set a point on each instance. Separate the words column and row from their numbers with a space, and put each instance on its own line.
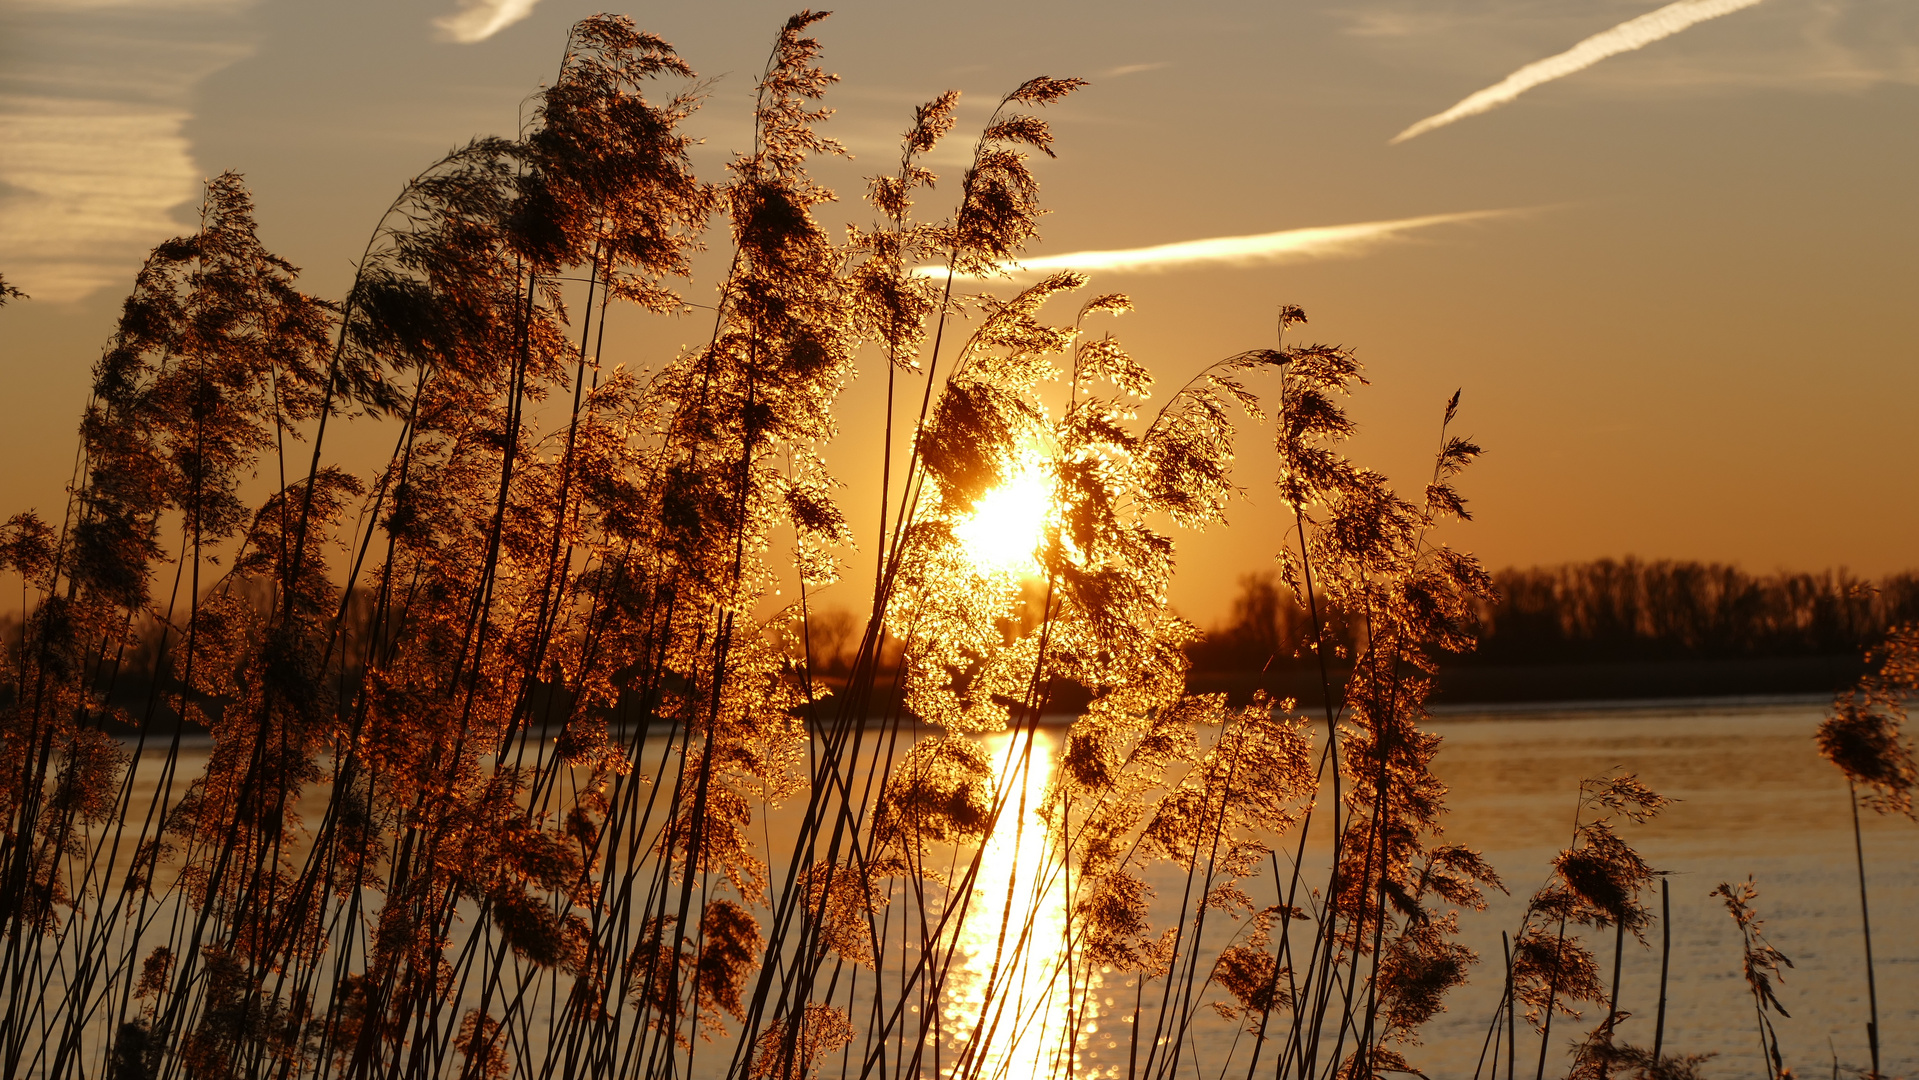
column 1463, row 690
column 1603, row 684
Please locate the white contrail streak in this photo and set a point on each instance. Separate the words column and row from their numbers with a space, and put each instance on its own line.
column 478, row 20
column 1627, row 36
column 1324, row 241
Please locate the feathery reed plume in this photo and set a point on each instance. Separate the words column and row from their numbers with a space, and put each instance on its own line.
column 1599, row 1058
column 1597, row 882
column 1362, row 551
column 8, row 292
column 1864, row 738
column 1864, row 735
column 1759, row 962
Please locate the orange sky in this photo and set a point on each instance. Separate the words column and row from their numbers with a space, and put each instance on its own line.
column 1690, row 334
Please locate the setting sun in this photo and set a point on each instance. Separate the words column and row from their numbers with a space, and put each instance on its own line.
column 1003, row 532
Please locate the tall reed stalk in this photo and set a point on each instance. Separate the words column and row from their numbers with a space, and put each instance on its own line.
column 1864, row 737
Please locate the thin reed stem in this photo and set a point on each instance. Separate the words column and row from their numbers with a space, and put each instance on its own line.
column 1665, row 964
column 1865, row 927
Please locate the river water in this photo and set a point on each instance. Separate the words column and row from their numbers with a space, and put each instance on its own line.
column 1753, row 797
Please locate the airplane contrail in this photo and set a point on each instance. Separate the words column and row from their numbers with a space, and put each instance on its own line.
column 1322, row 241
column 1627, row 36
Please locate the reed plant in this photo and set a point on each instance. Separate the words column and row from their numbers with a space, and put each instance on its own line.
column 518, row 758
column 1864, row 736
column 1597, row 882
column 1759, row 963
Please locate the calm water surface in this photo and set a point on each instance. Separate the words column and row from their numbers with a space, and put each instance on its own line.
column 1754, row 798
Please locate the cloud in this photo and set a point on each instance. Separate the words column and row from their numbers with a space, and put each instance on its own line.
column 1627, row 36
column 70, row 6
column 89, row 183
column 1291, row 245
column 1134, row 69
column 1395, row 24
column 93, row 109
column 478, row 20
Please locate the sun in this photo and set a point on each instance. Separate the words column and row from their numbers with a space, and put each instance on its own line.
column 1003, row 533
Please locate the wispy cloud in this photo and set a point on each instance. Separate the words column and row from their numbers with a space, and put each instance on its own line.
column 89, row 183
column 93, row 108
column 148, row 6
column 1627, row 36
column 478, row 20
column 1396, row 24
column 1134, row 69
column 1291, row 245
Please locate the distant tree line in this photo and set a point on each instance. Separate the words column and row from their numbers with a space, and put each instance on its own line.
column 1607, row 610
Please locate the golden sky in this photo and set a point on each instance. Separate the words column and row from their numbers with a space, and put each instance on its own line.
column 1669, row 252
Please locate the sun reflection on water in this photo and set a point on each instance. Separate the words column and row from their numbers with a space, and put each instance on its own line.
column 1011, row 994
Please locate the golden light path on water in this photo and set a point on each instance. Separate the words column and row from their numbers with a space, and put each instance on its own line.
column 1011, row 994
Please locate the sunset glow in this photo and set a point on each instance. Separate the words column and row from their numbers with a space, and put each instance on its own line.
column 1004, row 530
column 595, row 544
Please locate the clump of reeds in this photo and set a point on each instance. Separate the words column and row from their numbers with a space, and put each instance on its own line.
column 1381, row 959
column 464, row 653
column 1599, row 1058
column 496, row 731
column 1598, row 881
column 1865, row 738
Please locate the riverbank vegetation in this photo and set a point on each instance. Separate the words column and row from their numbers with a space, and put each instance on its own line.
column 1609, row 629
column 516, row 756
column 1613, row 611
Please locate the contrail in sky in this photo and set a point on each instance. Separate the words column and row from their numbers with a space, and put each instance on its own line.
column 1320, row 242
column 478, row 20
column 1627, row 36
